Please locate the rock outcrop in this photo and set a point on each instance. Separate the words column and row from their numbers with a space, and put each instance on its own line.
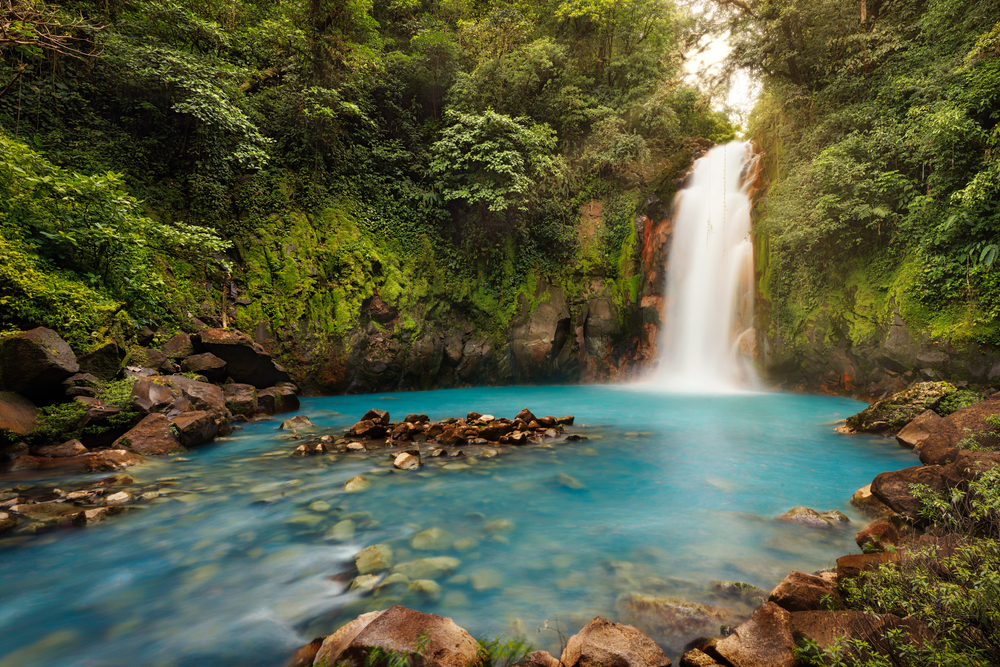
column 34, row 363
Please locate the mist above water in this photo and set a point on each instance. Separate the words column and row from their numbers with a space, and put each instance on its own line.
column 707, row 339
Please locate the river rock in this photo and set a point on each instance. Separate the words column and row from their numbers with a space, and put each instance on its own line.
column 356, row 484
column 663, row 615
column 364, row 583
column 497, row 526
column 69, row 448
column 241, row 399
column 526, row 416
column 852, row 565
column 34, row 363
column 603, row 643
column 275, row 400
column 296, row 422
column 120, row 498
column 7, row 522
column 893, row 488
column 112, row 460
column 425, row 589
column 894, row 412
column 202, row 395
column 206, row 364
column 196, row 427
column 246, row 361
column 18, row 415
column 765, row 640
column 179, row 347
column 802, row 592
column 375, row 558
column 865, row 500
column 917, row 431
column 152, row 395
column 150, row 437
column 433, row 539
column 366, row 428
column 428, row 568
column 806, row 516
column 408, row 460
column 46, row 511
column 401, row 629
column 377, row 416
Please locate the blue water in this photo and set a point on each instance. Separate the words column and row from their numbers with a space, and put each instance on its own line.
column 678, row 491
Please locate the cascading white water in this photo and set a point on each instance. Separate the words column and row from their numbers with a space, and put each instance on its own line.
column 707, row 339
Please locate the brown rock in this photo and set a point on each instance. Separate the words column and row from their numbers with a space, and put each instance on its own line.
column 368, row 429
column 7, row 522
column 34, row 363
column 878, row 534
column 664, row 615
column 968, row 466
column 495, row 430
column 852, row 565
column 206, row 364
column 246, row 361
column 824, row 627
column 150, row 437
column 866, row 501
column 110, row 460
column 805, row 516
column 400, row 629
column 18, row 415
column 103, row 360
column 334, row 644
column 541, row 659
column 241, row 399
column 917, row 431
column 179, row 347
column 566, row 421
column 377, row 416
column 801, row 592
column 202, row 395
column 305, row 656
column 152, row 395
column 275, row 400
column 893, row 488
column 696, row 658
column 764, row 641
column 603, row 643
column 66, row 449
column 196, row 427
column 408, row 460
column 526, row 416
column 416, row 419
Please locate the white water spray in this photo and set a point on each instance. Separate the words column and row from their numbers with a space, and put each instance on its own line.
column 707, row 339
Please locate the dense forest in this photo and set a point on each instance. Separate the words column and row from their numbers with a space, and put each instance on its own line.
column 284, row 163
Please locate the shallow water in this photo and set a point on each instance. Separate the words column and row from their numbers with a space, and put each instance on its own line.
column 677, row 491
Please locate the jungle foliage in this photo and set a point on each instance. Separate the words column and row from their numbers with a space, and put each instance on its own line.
column 143, row 139
column 878, row 122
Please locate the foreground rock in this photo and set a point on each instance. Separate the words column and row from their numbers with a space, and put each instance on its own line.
column 17, row 414
column 801, row 592
column 940, row 446
column 34, row 363
column 603, row 643
column 766, row 640
column 894, row 412
column 401, row 630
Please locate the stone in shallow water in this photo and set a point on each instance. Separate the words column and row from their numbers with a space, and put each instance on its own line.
column 375, row 558
column 570, row 482
column 365, row 583
column 425, row 589
column 805, row 516
column 431, row 539
column 341, row 531
column 428, row 568
column 357, row 483
column 320, row 506
column 485, row 579
column 666, row 615
column 465, row 544
column 499, row 526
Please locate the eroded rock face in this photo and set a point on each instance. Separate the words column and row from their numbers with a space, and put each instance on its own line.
column 34, row 363
column 603, row 643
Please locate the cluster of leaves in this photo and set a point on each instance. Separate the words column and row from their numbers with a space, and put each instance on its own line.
column 879, row 125
column 64, row 421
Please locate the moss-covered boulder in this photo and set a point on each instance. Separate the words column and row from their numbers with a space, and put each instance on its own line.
column 34, row 363
column 899, row 409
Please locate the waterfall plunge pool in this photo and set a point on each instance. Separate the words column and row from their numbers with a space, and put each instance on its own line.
column 677, row 491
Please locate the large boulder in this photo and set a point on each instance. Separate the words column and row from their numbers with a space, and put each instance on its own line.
column 246, row 361
column 430, row 640
column 896, row 411
column 103, row 361
column 179, row 347
column 766, row 640
column 196, row 427
column 65, row 450
column 206, row 364
column 940, row 446
column 34, row 363
column 241, row 399
column 877, row 535
column 152, row 394
column 18, row 415
column 801, row 592
column 828, row 627
column 603, row 643
column 893, row 488
column 202, row 395
column 150, row 437
column 917, row 431
column 274, row 400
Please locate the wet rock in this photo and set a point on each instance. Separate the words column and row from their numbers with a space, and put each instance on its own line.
column 342, row 531
column 110, row 460
column 526, row 416
column 865, row 500
column 576, row 437
column 7, row 522
column 69, row 448
column 802, row 592
column 364, row 583
column 275, row 400
column 96, row 515
column 805, row 516
column 666, row 615
column 179, row 347
column 356, row 484
column 416, row 419
column 489, row 453
column 120, row 498
column 46, row 511
column 877, row 535
column 401, row 629
column 739, row 589
column 206, row 364
column 356, row 447
column 917, row 431
column 375, row 558
column 433, row 539
column 603, row 643
column 428, row 568
column 403, row 431
column 393, row 584
column 426, row 589
column 366, row 428
column 765, row 640
column 296, row 422
column 852, row 565
column 408, row 460
column 569, row 482
column 241, row 399
column 246, row 361
column 893, row 488
column 380, row 417
column 34, row 363
column 18, row 415
column 150, row 437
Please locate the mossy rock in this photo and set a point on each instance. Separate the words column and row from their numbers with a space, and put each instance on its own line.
column 896, row 411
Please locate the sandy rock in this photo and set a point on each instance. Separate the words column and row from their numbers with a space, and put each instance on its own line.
column 764, row 641
column 296, row 422
column 408, row 460
column 865, row 500
column 803, row 592
column 428, row 568
column 375, row 558
column 602, row 643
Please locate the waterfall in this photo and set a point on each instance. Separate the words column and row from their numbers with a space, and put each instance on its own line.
column 707, row 340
